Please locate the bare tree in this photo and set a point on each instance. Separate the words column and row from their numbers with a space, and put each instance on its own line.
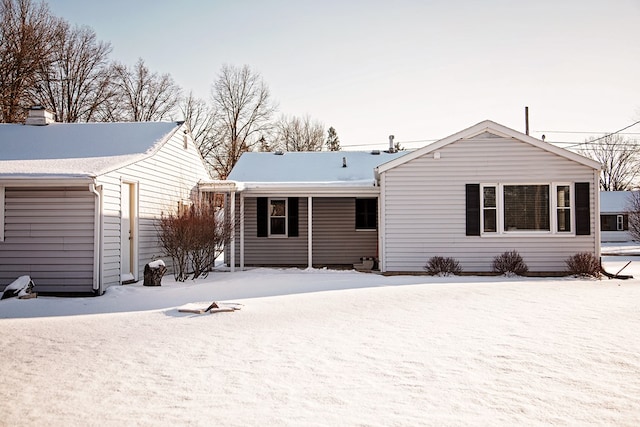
column 142, row 95
column 25, row 28
column 633, row 212
column 76, row 81
column 241, row 113
column 619, row 158
column 199, row 119
column 299, row 134
column 333, row 142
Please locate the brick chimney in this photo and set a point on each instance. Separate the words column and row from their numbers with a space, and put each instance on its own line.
column 39, row 116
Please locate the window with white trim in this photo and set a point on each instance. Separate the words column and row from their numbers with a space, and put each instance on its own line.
column 527, row 208
column 614, row 222
column 277, row 217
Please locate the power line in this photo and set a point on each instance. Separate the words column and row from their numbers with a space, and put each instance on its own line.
column 572, row 143
column 604, row 136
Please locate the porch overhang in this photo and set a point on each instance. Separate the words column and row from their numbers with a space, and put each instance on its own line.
column 308, row 190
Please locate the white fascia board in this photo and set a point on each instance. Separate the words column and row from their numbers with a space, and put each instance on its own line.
column 44, row 181
column 311, row 189
column 497, row 129
column 220, row 185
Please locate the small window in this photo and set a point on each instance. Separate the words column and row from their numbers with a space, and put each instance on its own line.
column 366, row 214
column 489, row 210
column 563, row 208
column 620, row 223
column 277, row 217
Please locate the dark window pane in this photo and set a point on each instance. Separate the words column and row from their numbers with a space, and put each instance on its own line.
column 564, row 219
column 526, row 207
column 366, row 214
column 278, row 226
column 608, row 222
column 490, row 221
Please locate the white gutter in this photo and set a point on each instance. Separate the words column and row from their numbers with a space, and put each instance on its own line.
column 97, row 238
column 42, row 181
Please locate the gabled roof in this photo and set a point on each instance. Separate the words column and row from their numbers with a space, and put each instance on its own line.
column 310, row 168
column 496, row 129
column 78, row 149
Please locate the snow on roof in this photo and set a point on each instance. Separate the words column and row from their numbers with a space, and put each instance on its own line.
column 614, row 201
column 310, row 167
column 77, row 148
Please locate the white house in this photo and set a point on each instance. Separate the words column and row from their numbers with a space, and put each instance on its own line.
column 79, row 202
column 471, row 196
column 614, row 216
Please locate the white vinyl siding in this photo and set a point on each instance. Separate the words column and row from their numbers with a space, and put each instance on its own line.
column 164, row 179
column 424, row 205
column 49, row 235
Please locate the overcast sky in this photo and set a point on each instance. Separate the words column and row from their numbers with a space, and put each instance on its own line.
column 420, row 70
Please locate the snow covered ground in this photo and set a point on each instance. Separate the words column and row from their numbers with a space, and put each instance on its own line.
column 329, row 348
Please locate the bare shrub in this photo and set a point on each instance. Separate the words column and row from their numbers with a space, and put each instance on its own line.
column 583, row 264
column 194, row 238
column 510, row 263
column 441, row 266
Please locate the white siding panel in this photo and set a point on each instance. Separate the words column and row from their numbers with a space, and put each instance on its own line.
column 425, row 205
column 49, row 235
column 170, row 175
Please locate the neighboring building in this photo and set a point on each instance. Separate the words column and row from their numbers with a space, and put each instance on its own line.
column 471, row 196
column 614, row 217
column 80, row 201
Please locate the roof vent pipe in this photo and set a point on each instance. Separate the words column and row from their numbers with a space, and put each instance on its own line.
column 344, row 162
column 392, row 148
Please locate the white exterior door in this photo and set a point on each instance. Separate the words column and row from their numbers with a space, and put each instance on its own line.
column 128, row 233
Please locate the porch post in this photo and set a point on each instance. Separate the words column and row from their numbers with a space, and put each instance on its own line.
column 232, row 216
column 310, row 231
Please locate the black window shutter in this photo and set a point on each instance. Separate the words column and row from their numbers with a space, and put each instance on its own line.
column 262, row 215
column 473, row 209
column 292, row 215
column 583, row 211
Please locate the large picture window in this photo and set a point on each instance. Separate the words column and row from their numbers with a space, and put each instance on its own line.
column 526, row 207
column 511, row 208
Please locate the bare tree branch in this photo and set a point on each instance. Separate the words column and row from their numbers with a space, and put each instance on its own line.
column 241, row 112
column 299, row 134
column 76, row 81
column 25, row 28
column 619, row 158
column 141, row 95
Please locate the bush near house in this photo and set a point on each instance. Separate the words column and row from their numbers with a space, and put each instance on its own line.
column 442, row 266
column 510, row 263
column 583, row 264
column 193, row 238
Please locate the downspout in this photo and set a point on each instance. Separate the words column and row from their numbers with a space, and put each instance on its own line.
column 97, row 238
